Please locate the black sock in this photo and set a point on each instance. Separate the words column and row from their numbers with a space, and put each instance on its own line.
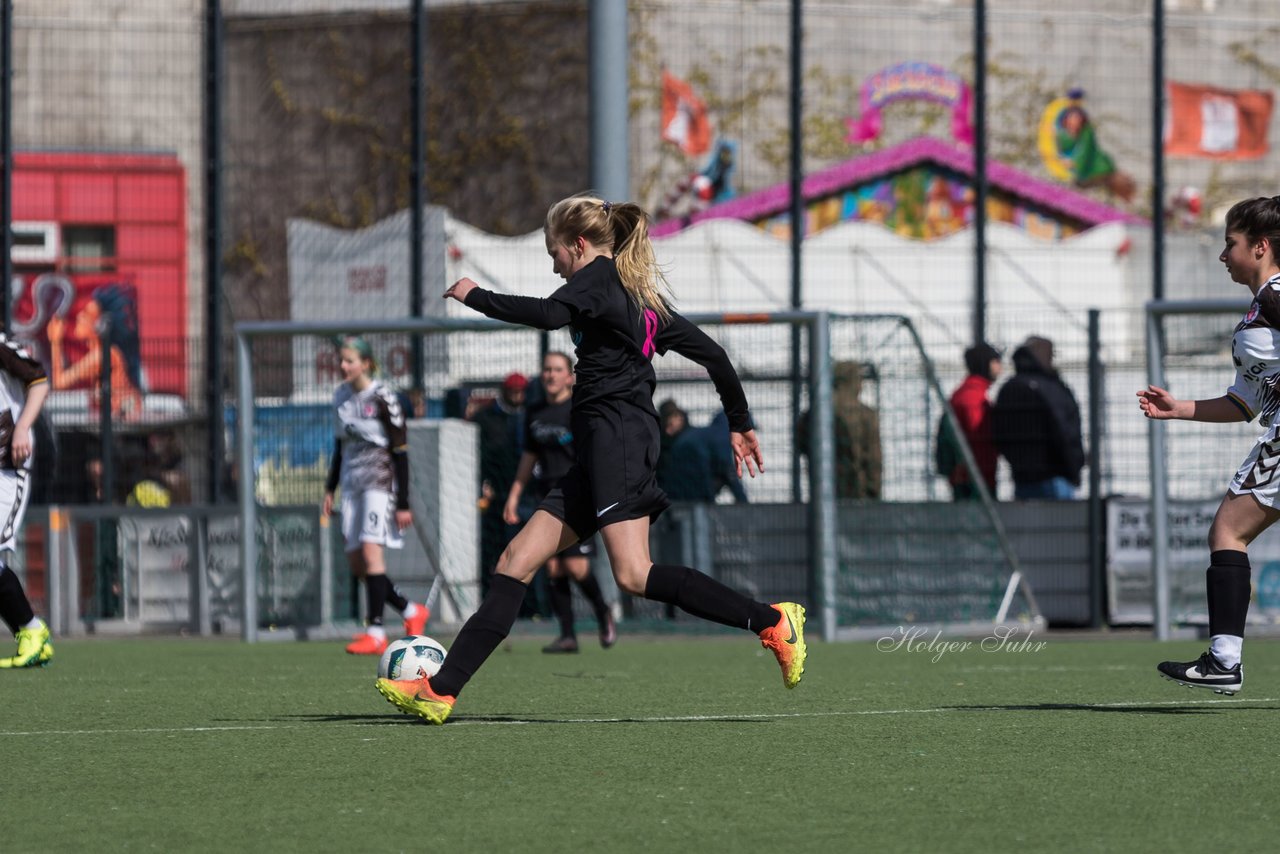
column 395, row 597
column 707, row 598
column 480, row 635
column 1227, row 584
column 375, row 588
column 562, row 605
column 15, row 610
column 591, row 589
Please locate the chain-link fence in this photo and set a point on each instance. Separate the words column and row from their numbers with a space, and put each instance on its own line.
column 270, row 144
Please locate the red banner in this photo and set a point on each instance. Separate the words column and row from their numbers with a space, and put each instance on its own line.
column 1220, row 124
column 684, row 117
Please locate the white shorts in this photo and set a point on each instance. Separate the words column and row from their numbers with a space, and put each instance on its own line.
column 15, row 491
column 1259, row 474
column 370, row 517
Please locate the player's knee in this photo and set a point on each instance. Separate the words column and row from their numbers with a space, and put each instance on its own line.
column 511, row 563
column 631, row 578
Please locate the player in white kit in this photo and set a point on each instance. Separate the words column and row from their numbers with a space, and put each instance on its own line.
column 23, row 389
column 1250, row 505
column 370, row 460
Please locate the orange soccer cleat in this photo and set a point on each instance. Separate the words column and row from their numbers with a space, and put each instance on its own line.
column 786, row 640
column 367, row 644
column 416, row 697
column 418, row 622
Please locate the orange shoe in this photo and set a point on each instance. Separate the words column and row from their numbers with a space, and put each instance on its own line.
column 414, row 625
column 415, row 697
column 786, row 640
column 367, row 644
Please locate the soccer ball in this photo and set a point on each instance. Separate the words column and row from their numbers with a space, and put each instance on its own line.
column 411, row 658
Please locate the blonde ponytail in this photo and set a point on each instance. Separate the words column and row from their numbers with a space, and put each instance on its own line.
column 622, row 228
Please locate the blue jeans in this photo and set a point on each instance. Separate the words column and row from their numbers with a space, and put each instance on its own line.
column 1053, row 489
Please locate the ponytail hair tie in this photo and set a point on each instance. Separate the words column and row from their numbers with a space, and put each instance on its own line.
column 607, row 206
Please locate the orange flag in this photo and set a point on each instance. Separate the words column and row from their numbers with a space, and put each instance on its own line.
column 1221, row 124
column 684, row 117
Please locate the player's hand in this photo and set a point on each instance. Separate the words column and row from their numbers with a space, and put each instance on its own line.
column 459, row 289
column 746, row 449
column 404, row 518
column 510, row 513
column 20, row 447
column 326, row 508
column 1157, row 403
column 54, row 329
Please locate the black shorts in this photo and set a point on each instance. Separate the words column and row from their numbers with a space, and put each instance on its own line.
column 615, row 476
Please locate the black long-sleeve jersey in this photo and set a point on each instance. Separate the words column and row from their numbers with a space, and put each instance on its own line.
column 615, row 340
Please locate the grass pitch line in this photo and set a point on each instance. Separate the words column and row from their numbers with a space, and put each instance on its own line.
column 727, row 718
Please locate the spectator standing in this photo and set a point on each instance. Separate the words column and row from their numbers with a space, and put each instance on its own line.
column 859, row 465
column 673, row 421
column 972, row 407
column 1037, row 426
column 701, row 464
column 501, row 426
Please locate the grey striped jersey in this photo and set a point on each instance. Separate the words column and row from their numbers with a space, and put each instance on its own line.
column 1255, row 350
column 370, row 425
column 19, row 371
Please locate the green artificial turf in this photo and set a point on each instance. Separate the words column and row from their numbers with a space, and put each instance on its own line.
column 666, row 744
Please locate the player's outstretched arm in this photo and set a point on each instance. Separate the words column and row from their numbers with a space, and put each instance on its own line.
column 1158, row 404
column 527, row 311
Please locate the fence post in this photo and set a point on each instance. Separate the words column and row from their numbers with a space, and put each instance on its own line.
column 198, row 555
column 417, row 159
column 105, row 420
column 703, row 553
column 1159, row 483
column 822, row 478
column 6, row 161
column 248, row 500
column 53, row 571
column 326, row 573
column 214, row 370
column 1097, row 557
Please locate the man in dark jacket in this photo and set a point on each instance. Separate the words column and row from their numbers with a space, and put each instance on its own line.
column 501, row 424
column 1037, row 426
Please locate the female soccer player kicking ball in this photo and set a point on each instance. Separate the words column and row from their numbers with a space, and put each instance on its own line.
column 1249, row 507
column 614, row 303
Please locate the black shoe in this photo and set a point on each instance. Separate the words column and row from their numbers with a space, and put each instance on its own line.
column 1204, row 672
column 562, row 645
column 608, row 631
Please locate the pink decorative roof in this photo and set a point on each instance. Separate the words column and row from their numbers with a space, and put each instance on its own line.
column 775, row 200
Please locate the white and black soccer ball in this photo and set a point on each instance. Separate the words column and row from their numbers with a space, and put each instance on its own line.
column 411, row 658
